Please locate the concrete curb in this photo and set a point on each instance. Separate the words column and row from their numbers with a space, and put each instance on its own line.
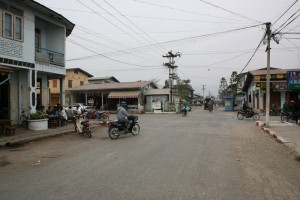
column 20, row 141
column 270, row 131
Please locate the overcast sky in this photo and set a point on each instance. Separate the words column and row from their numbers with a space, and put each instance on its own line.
column 127, row 38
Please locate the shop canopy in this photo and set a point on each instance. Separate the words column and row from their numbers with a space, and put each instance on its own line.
column 123, row 94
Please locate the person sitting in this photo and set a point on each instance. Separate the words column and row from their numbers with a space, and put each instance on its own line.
column 49, row 110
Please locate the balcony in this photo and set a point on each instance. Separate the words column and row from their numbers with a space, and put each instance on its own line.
column 48, row 57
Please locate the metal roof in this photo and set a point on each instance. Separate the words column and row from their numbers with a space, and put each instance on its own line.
column 111, row 86
column 123, row 94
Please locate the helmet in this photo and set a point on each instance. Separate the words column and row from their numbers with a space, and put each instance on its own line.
column 123, row 104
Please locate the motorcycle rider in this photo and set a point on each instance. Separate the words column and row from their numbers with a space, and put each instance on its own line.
column 246, row 108
column 123, row 115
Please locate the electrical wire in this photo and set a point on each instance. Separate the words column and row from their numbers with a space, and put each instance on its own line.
column 283, row 25
column 125, row 25
column 285, row 11
column 119, row 61
column 130, row 21
column 254, row 52
column 181, row 10
column 229, row 11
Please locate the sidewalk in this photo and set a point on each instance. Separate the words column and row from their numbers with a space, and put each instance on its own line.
column 23, row 135
column 287, row 133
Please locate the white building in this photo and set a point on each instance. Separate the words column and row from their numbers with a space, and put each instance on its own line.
column 32, row 51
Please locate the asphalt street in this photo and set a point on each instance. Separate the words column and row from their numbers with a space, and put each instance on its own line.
column 201, row 156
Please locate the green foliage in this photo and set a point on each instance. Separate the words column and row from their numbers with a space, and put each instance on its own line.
column 38, row 115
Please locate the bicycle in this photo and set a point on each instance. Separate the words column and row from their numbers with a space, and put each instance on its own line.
column 23, row 119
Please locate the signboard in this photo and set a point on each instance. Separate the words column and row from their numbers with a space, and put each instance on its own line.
column 293, row 80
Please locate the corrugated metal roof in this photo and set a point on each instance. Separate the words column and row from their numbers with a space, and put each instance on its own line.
column 111, row 86
column 157, row 91
column 264, row 72
column 123, row 94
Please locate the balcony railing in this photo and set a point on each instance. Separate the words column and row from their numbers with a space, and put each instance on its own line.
column 49, row 57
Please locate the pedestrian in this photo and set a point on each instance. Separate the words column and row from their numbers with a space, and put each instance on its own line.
column 62, row 115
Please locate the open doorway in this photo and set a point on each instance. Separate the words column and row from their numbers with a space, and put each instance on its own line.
column 4, row 97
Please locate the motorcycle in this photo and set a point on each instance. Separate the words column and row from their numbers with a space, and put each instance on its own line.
column 247, row 114
column 286, row 116
column 210, row 108
column 116, row 128
column 100, row 115
column 183, row 111
column 275, row 110
column 83, row 126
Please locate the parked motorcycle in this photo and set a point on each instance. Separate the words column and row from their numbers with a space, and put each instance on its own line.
column 83, row 126
column 116, row 128
column 247, row 114
column 287, row 116
column 275, row 110
column 100, row 115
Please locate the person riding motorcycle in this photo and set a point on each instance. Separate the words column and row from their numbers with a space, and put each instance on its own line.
column 123, row 115
column 246, row 108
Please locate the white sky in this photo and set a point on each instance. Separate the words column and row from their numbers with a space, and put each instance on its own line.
column 139, row 32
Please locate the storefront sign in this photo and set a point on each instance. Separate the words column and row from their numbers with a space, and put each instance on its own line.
column 293, row 80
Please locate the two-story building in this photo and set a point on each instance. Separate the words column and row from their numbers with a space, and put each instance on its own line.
column 75, row 77
column 32, row 52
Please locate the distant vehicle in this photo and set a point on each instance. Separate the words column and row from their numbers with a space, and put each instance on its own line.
column 81, row 106
column 206, row 103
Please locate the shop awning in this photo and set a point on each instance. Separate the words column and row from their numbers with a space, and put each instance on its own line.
column 5, row 69
column 123, row 94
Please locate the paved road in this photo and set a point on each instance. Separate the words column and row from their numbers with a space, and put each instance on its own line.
column 201, row 156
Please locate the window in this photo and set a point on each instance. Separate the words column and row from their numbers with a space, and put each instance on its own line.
column 70, row 83
column 81, row 82
column 18, row 28
column 55, row 83
column 13, row 26
column 75, row 71
column 8, row 25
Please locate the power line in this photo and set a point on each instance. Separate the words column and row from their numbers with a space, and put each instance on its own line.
column 111, row 22
column 132, row 23
column 254, row 52
column 285, row 11
column 107, row 56
column 283, row 25
column 230, row 11
column 179, row 40
column 181, row 10
column 123, row 23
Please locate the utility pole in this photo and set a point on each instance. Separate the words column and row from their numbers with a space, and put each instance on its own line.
column 203, row 88
column 268, row 25
column 172, row 75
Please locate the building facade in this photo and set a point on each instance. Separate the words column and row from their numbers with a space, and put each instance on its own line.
column 32, row 51
column 75, row 77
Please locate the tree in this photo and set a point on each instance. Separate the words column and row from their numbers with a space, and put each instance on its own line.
column 223, row 88
column 183, row 88
column 233, row 83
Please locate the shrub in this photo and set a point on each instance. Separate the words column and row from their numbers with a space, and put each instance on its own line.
column 38, row 115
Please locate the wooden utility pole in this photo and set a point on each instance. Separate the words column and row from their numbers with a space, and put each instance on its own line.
column 172, row 75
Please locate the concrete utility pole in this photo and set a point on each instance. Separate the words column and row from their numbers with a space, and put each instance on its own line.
column 172, row 75
column 268, row 25
column 203, row 88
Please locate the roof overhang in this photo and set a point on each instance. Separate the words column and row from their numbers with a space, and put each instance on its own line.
column 123, row 94
column 5, row 70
